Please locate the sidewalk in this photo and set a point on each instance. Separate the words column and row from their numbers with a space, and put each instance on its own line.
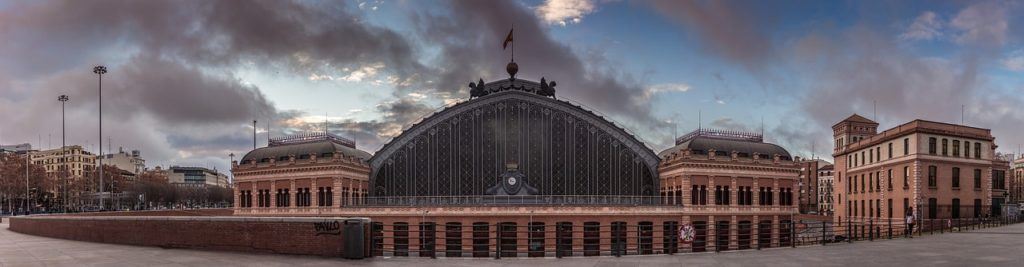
column 1000, row 246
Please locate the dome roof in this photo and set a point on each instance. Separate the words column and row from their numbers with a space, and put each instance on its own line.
column 704, row 140
column 304, row 145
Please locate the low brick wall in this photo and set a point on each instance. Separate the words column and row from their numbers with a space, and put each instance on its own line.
column 285, row 235
column 182, row 212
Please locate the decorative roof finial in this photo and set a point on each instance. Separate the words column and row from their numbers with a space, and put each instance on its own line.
column 512, row 69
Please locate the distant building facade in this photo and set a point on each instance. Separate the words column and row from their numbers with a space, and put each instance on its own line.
column 131, row 162
column 826, row 178
column 79, row 161
column 195, row 176
column 940, row 170
column 17, row 148
column 807, row 184
column 1016, row 184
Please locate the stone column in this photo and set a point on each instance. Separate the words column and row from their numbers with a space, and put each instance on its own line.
column 314, row 194
column 273, row 194
column 733, row 192
column 293, row 196
column 755, row 236
column 336, row 191
column 734, row 240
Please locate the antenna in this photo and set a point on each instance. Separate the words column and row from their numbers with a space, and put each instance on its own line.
column 874, row 110
column 253, row 134
column 762, row 126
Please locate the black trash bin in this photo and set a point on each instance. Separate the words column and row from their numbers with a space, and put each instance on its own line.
column 354, row 236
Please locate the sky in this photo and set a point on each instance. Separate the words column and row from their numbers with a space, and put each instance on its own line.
column 187, row 78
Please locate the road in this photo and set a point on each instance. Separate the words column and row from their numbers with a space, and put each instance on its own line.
column 1001, row 246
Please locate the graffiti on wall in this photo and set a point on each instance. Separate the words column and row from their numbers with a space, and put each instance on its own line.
column 327, row 228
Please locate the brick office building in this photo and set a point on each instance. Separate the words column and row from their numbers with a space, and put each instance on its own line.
column 826, row 179
column 807, row 184
column 941, row 170
column 1016, row 183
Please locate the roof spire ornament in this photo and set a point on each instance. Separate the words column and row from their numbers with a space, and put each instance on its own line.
column 512, row 68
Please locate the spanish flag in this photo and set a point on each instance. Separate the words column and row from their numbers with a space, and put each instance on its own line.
column 508, row 39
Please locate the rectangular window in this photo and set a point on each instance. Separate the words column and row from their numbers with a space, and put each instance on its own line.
column 878, row 153
column 977, row 178
column 871, row 157
column 889, row 205
column 967, row 149
column 956, row 208
column 725, row 195
column 932, row 179
column 977, row 150
column 329, row 197
column 871, row 182
column 878, row 181
column 906, row 177
column 931, row 145
column 890, row 151
column 888, row 178
column 933, row 208
column 977, row 208
column 956, row 177
column 862, row 183
column 694, row 199
column 945, row 145
column 998, row 179
column 718, row 195
column 703, row 195
column 956, row 148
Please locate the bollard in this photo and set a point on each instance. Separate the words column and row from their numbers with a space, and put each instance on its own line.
column 823, row 233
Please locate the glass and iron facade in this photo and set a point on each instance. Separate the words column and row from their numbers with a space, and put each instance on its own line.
column 560, row 148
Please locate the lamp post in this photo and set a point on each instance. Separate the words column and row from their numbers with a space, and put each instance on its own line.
column 28, row 157
column 100, row 70
column 231, row 162
column 63, row 155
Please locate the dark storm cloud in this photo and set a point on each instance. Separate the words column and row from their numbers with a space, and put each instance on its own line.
column 301, row 36
column 470, row 39
column 171, row 90
column 732, row 29
column 850, row 70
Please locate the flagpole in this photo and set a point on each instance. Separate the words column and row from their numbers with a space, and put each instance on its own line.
column 511, row 33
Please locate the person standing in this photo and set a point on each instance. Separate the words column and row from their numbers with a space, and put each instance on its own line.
column 910, row 223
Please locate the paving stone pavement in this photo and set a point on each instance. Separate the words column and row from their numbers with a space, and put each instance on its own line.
column 1000, row 246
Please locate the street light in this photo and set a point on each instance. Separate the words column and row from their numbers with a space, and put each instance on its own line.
column 231, row 163
column 64, row 155
column 100, row 70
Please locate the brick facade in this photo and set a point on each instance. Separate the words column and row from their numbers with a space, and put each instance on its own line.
column 247, row 234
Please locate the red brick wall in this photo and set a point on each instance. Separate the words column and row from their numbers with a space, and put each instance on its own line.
column 183, row 212
column 249, row 234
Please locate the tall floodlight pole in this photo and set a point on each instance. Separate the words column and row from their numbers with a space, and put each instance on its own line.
column 28, row 157
column 64, row 155
column 231, row 163
column 100, row 70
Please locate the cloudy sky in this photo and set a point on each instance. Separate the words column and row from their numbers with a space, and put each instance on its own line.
column 188, row 77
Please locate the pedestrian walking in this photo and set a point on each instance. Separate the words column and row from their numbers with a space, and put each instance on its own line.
column 910, row 223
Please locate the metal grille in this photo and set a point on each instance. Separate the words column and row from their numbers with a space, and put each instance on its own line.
column 561, row 151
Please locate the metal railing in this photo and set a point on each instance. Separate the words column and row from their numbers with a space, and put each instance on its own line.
column 485, row 200
column 565, row 239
